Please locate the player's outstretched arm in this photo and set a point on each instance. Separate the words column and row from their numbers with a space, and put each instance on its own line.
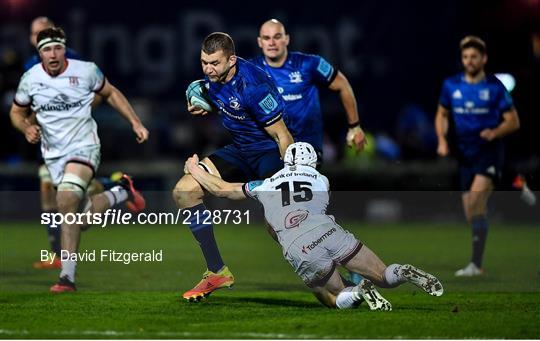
column 19, row 119
column 118, row 101
column 213, row 184
column 509, row 125
column 441, row 128
column 355, row 136
column 279, row 132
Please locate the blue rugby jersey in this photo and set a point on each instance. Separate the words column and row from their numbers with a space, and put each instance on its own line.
column 474, row 107
column 297, row 81
column 247, row 104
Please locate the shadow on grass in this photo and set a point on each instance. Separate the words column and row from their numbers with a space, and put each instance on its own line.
column 265, row 286
column 270, row 302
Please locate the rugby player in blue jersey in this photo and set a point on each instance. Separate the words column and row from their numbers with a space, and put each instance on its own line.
column 298, row 77
column 481, row 112
column 252, row 110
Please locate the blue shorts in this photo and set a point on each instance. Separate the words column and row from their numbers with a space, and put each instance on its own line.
column 235, row 165
column 488, row 163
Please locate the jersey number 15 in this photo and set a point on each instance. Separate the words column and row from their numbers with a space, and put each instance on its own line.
column 301, row 192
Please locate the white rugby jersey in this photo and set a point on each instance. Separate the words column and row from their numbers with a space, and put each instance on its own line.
column 294, row 201
column 63, row 105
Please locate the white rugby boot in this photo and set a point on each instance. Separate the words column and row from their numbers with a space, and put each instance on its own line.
column 421, row 279
column 373, row 298
column 469, row 271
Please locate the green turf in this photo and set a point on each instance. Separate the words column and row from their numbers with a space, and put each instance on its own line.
column 143, row 300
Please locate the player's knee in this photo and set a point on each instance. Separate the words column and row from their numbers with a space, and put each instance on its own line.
column 187, row 191
column 71, row 191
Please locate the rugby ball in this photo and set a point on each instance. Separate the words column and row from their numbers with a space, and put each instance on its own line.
column 197, row 96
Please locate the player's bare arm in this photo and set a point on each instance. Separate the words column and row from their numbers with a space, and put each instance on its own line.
column 118, row 101
column 279, row 132
column 32, row 118
column 509, row 125
column 212, row 183
column 98, row 99
column 19, row 119
column 441, row 128
column 355, row 136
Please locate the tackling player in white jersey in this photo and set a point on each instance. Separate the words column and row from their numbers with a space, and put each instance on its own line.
column 295, row 201
column 60, row 91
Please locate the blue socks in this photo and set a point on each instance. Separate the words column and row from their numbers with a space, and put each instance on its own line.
column 479, row 234
column 355, row 277
column 204, row 233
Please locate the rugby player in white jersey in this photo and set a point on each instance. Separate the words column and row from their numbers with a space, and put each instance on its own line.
column 60, row 91
column 295, row 201
column 46, row 187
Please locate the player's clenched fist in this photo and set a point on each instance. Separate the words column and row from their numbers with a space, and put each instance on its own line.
column 191, row 163
column 141, row 132
column 442, row 149
column 356, row 138
column 32, row 133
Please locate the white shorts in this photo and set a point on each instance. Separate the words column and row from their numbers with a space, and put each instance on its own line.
column 315, row 254
column 88, row 155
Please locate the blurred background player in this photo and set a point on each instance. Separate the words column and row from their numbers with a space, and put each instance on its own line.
column 252, row 111
column 60, row 91
column 295, row 201
column 46, row 188
column 482, row 113
column 298, row 77
column 38, row 25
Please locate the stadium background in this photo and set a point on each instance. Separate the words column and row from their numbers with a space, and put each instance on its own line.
column 399, row 197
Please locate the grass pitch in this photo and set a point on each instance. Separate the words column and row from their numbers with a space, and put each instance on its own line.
column 143, row 300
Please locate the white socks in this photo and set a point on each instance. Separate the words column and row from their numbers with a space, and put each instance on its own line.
column 116, row 195
column 68, row 269
column 347, row 298
column 393, row 276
